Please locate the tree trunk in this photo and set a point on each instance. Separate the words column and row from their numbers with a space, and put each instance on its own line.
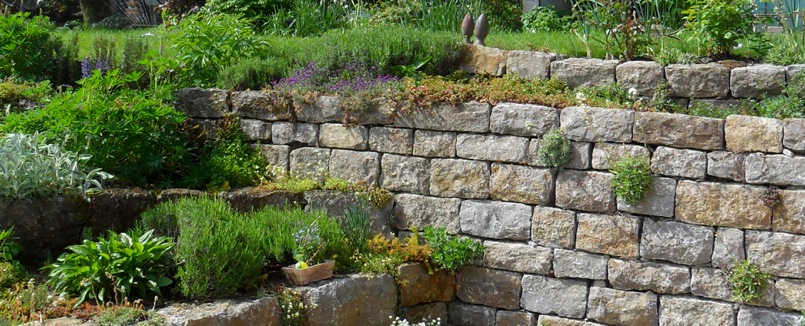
column 94, row 10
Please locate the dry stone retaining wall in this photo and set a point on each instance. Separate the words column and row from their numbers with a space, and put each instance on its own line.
column 562, row 249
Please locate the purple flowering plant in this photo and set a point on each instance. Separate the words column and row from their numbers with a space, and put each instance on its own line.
column 346, row 79
column 90, row 64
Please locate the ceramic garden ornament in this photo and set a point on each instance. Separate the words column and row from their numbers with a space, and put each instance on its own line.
column 466, row 27
column 481, row 29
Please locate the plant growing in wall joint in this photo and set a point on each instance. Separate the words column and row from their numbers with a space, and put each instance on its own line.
column 632, row 178
column 747, row 281
column 554, row 150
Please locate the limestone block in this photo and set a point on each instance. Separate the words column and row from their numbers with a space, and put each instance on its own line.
column 789, row 294
column 530, row 64
column 643, row 76
column 517, row 257
column 285, row 133
column 776, row 253
column 753, row 134
column 522, row 184
column 492, row 148
column 462, row 314
column 259, row 105
column 728, row 247
column 780, row 170
column 354, row 166
column 678, row 130
column 684, row 163
column 483, row 60
column 256, row 129
column 579, row 264
column 603, row 153
column 660, row 278
column 709, row 203
column 467, row 117
column 546, row 320
column 686, row 311
column 712, row 283
column 699, row 80
column 659, row 201
column 203, row 103
column 789, row 216
column 276, row 155
column 553, row 227
column 750, row 316
column 546, row 295
column 342, row 136
column 586, row 191
column 583, row 72
column 758, row 81
column 527, row 120
column 597, row 124
column 391, row 140
column 405, row 173
column 623, row 308
column 496, row 220
column 793, row 71
column 459, row 178
column 489, row 287
column 607, row 234
column 354, row 300
column 726, row 165
column 310, row 162
column 415, row 211
column 418, row 286
column 794, row 135
column 325, row 108
column 426, row 312
column 514, row 318
column 676, row 242
column 434, row 144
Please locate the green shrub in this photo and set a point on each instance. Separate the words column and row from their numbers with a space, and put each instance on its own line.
column 788, row 51
column 554, row 150
column 504, row 15
column 12, row 93
column 452, row 252
column 11, row 271
column 306, row 18
column 117, row 264
column 546, row 19
column 663, row 98
column 114, row 22
column 747, row 281
column 631, row 178
column 254, row 73
column 258, row 10
column 29, row 166
column 228, row 161
column 719, row 25
column 789, row 105
column 28, row 45
column 128, row 133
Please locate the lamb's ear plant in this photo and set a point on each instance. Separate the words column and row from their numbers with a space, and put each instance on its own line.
column 747, row 281
column 554, row 150
column 631, row 178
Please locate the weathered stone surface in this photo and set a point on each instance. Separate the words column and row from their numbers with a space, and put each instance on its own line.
column 276, row 155
column 712, row 283
column 309, row 162
column 497, row 220
column 256, row 129
column 728, row 247
column 63, row 321
column 676, row 242
column 462, row 314
column 546, row 295
column 459, row 178
column 603, row 153
column 581, row 155
column 727, row 165
column 336, row 203
column 514, row 318
column 583, row 72
column 285, row 133
column 643, row 76
column 207, row 128
column 468, row 117
column 586, row 191
column 405, row 173
column 685, row 311
column 678, row 130
column 553, row 227
column 259, row 105
column 789, row 294
column 517, row 257
column 322, row 109
column 775, row 169
column 492, row 148
column 579, row 264
column 708, row 203
column 434, row 144
column 418, row 286
column 355, row 166
column 264, row 311
column 530, row 64
column 255, row 198
column 522, row 184
column 380, row 111
column 391, row 140
column 794, row 71
column 349, row 301
column 202, row 102
column 779, row 254
column 489, row 287
column 426, row 312
column 750, row 316
column 622, row 308
column 545, row 320
column 659, row 201
column 523, row 119
column 684, row 163
column 699, row 80
column 758, row 81
column 597, row 124
column 660, row 278
column 607, row 234
column 721, row 104
column 173, row 195
column 342, row 136
column 483, row 60
column 794, row 135
column 415, row 211
column 789, row 215
column 753, row 134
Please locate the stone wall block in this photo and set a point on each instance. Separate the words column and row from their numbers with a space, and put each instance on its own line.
column 789, row 215
column 643, row 76
column 405, row 173
column 684, row 163
column 546, row 295
column 597, row 124
column 342, row 136
column 467, row 117
column 496, row 220
column 781, row 170
column 726, row 165
column 530, row 64
column 355, row 166
column 391, row 140
column 660, row 278
column 354, row 300
column 753, row 134
column 676, row 242
column 459, row 178
column 525, row 120
column 310, row 162
column 415, row 211
column 793, row 70
column 492, row 148
column 699, row 80
column 483, row 60
column 426, row 312
column 789, row 294
column 750, row 316
column 779, row 254
column 678, row 130
column 622, row 308
column 712, row 283
column 794, row 135
column 489, row 287
column 203, row 103
column 546, row 320
column 434, row 144
column 709, row 203
column 607, row 234
column 259, row 105
column 659, row 201
column 462, row 314
column 758, row 81
column 514, row 318
column 276, row 155
column 583, row 72
column 517, row 257
column 579, row 264
column 728, row 247
column 603, row 153
column 325, row 108
column 686, row 311
column 284, row 133
column 553, row 227
column 256, row 129
column 521, row 184
column 586, row 191
column 418, row 286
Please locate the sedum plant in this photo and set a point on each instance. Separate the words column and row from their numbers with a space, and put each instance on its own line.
column 632, row 178
column 747, row 281
column 452, row 252
column 118, row 264
column 555, row 150
column 29, row 166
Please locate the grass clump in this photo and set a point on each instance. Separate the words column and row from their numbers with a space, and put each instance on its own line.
column 128, row 315
column 631, row 178
column 747, row 281
column 554, row 150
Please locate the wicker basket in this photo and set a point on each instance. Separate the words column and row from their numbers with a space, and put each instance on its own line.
column 311, row 274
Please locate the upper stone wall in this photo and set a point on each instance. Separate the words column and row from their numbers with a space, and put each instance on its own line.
column 562, row 248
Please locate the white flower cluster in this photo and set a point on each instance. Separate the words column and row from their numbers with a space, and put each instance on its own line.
column 396, row 321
